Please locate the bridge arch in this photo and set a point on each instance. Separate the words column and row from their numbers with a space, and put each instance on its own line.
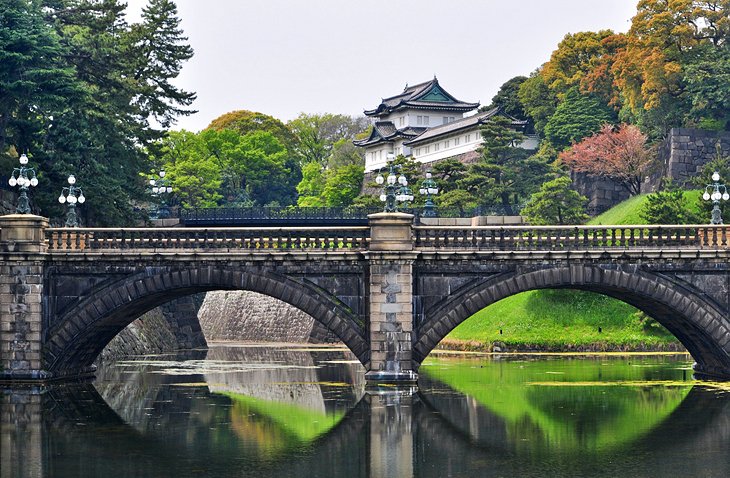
column 694, row 319
column 83, row 331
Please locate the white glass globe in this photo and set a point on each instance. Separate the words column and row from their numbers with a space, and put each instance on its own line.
column 391, row 179
column 61, row 199
column 155, row 190
column 152, row 182
column 433, row 190
column 380, row 179
column 34, row 182
column 706, row 196
column 162, row 173
column 402, row 180
column 422, row 191
column 12, row 181
column 23, row 159
column 382, row 197
column 71, row 179
column 725, row 196
column 82, row 199
column 169, row 189
column 71, row 199
column 715, row 176
column 428, row 174
column 716, row 196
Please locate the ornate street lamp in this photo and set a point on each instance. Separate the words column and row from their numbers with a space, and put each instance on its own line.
column 713, row 193
column 160, row 188
column 395, row 189
column 73, row 195
column 22, row 181
column 429, row 189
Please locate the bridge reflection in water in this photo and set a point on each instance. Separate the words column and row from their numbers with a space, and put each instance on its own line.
column 258, row 411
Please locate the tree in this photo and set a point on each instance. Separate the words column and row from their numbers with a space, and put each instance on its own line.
column 577, row 116
column 318, row 133
column 160, row 51
column 620, row 154
column 538, row 101
column 35, row 83
column 343, row 185
column 707, row 77
column 507, row 99
column 311, row 187
column 668, row 206
column 192, row 170
column 556, row 203
column 244, row 121
column 576, row 56
column 498, row 173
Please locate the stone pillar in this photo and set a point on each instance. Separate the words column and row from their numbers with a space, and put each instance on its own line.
column 21, row 434
column 22, row 258
column 390, row 261
column 391, row 432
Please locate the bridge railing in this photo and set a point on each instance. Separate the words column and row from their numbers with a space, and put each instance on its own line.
column 538, row 238
column 231, row 239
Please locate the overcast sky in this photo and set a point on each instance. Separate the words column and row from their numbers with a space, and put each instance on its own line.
column 283, row 57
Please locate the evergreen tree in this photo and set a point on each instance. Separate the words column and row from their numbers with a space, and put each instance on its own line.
column 556, row 204
column 576, row 117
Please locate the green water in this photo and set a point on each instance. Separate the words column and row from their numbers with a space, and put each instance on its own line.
column 293, row 412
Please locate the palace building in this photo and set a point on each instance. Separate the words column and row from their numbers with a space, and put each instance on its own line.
column 429, row 124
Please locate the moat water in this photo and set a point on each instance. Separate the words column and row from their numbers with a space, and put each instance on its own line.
column 301, row 411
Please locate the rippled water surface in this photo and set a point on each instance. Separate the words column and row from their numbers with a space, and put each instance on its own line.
column 244, row 410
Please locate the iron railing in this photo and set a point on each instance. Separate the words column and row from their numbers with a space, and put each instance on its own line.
column 319, row 216
column 549, row 238
column 210, row 239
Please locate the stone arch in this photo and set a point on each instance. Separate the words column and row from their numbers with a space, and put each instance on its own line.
column 697, row 323
column 84, row 329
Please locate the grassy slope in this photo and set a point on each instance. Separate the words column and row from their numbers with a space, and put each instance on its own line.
column 561, row 319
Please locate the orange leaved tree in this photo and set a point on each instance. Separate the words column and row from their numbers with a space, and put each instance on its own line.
column 619, row 153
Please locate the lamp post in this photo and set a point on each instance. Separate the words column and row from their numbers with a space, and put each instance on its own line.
column 73, row 195
column 429, row 189
column 395, row 189
column 22, row 181
column 713, row 193
column 160, row 187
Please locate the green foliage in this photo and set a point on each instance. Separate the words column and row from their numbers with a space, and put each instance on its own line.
column 317, row 134
column 707, row 77
column 192, row 170
column 311, row 186
column 556, row 203
column 83, row 87
column 507, row 99
column 669, row 206
column 538, row 101
column 557, row 319
column 244, row 122
column 576, row 117
column 343, row 185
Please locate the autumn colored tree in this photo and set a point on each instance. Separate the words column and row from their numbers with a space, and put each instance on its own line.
column 244, row 122
column 619, row 153
column 576, row 56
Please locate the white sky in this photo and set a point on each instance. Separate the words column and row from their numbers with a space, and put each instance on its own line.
column 283, row 57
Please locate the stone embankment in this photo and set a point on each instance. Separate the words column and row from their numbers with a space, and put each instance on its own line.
column 249, row 316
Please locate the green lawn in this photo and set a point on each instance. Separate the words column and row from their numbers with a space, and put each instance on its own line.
column 559, row 320
column 629, row 211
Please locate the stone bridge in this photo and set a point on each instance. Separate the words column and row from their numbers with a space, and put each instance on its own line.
column 390, row 291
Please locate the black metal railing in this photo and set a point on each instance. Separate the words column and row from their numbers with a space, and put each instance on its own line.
column 318, row 216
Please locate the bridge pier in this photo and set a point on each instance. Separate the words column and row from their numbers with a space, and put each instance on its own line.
column 23, row 252
column 390, row 260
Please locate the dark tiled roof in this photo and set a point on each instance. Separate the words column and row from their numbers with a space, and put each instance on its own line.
column 458, row 125
column 384, row 131
column 417, row 96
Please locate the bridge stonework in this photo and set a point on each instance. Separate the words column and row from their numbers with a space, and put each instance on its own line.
column 390, row 292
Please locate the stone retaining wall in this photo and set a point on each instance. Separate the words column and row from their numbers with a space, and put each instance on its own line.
column 250, row 316
column 685, row 151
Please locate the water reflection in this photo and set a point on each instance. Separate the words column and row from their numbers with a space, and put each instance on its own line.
column 262, row 411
